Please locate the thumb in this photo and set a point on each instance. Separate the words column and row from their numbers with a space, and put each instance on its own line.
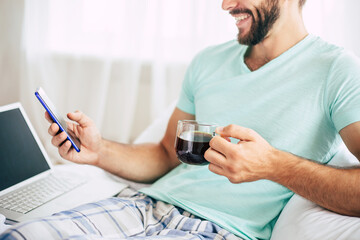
column 80, row 118
column 238, row 132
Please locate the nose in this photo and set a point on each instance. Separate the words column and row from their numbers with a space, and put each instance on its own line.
column 227, row 5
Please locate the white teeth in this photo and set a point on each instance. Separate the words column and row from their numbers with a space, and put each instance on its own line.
column 241, row 18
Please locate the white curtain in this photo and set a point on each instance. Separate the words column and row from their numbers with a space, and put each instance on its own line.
column 335, row 21
column 119, row 61
column 122, row 61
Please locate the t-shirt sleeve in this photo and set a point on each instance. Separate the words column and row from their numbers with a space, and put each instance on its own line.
column 186, row 100
column 343, row 91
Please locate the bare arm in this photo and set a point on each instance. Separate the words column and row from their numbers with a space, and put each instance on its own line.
column 141, row 163
column 332, row 188
column 253, row 159
column 144, row 162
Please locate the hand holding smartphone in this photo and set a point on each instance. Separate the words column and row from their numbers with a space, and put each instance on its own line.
column 50, row 108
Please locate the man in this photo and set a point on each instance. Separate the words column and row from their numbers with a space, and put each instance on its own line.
column 286, row 95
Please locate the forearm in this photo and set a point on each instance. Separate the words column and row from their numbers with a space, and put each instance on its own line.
column 140, row 163
column 335, row 189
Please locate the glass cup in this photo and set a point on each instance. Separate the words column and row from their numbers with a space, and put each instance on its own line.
column 192, row 140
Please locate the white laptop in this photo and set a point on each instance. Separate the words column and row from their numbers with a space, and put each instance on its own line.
column 30, row 186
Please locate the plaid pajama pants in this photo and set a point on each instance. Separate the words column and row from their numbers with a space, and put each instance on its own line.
column 131, row 215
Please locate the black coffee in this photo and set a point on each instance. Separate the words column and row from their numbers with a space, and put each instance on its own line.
column 192, row 152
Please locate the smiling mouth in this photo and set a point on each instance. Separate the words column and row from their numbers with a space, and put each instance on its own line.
column 242, row 17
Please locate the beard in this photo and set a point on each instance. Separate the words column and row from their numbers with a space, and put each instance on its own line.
column 267, row 14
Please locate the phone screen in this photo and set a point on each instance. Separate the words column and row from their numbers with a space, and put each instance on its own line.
column 50, row 108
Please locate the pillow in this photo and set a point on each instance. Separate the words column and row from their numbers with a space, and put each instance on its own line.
column 156, row 130
column 303, row 219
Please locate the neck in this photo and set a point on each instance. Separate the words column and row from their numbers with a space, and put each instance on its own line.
column 286, row 32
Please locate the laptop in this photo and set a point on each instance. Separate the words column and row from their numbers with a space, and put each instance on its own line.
column 30, row 186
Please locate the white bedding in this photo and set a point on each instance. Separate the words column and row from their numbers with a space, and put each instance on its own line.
column 3, row 226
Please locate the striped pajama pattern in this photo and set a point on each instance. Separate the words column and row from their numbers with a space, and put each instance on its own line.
column 132, row 215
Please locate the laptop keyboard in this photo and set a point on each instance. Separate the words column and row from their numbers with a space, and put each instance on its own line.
column 33, row 195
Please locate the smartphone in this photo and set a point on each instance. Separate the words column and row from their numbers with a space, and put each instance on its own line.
column 50, row 108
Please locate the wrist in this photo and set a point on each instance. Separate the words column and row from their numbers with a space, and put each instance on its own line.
column 101, row 152
column 281, row 166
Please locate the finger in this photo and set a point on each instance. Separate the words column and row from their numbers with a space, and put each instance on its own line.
column 48, row 118
column 216, row 169
column 53, row 129
column 70, row 126
column 64, row 149
column 59, row 139
column 227, row 139
column 80, row 118
column 214, row 157
column 220, row 144
column 238, row 132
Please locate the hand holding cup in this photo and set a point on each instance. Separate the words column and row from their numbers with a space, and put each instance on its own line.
column 192, row 141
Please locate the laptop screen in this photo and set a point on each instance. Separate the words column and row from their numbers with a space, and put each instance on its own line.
column 20, row 155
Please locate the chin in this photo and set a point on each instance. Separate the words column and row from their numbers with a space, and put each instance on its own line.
column 243, row 40
column 244, row 37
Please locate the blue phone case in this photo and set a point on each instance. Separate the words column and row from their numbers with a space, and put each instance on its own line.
column 52, row 115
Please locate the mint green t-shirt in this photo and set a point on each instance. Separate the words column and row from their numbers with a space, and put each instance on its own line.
column 298, row 102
